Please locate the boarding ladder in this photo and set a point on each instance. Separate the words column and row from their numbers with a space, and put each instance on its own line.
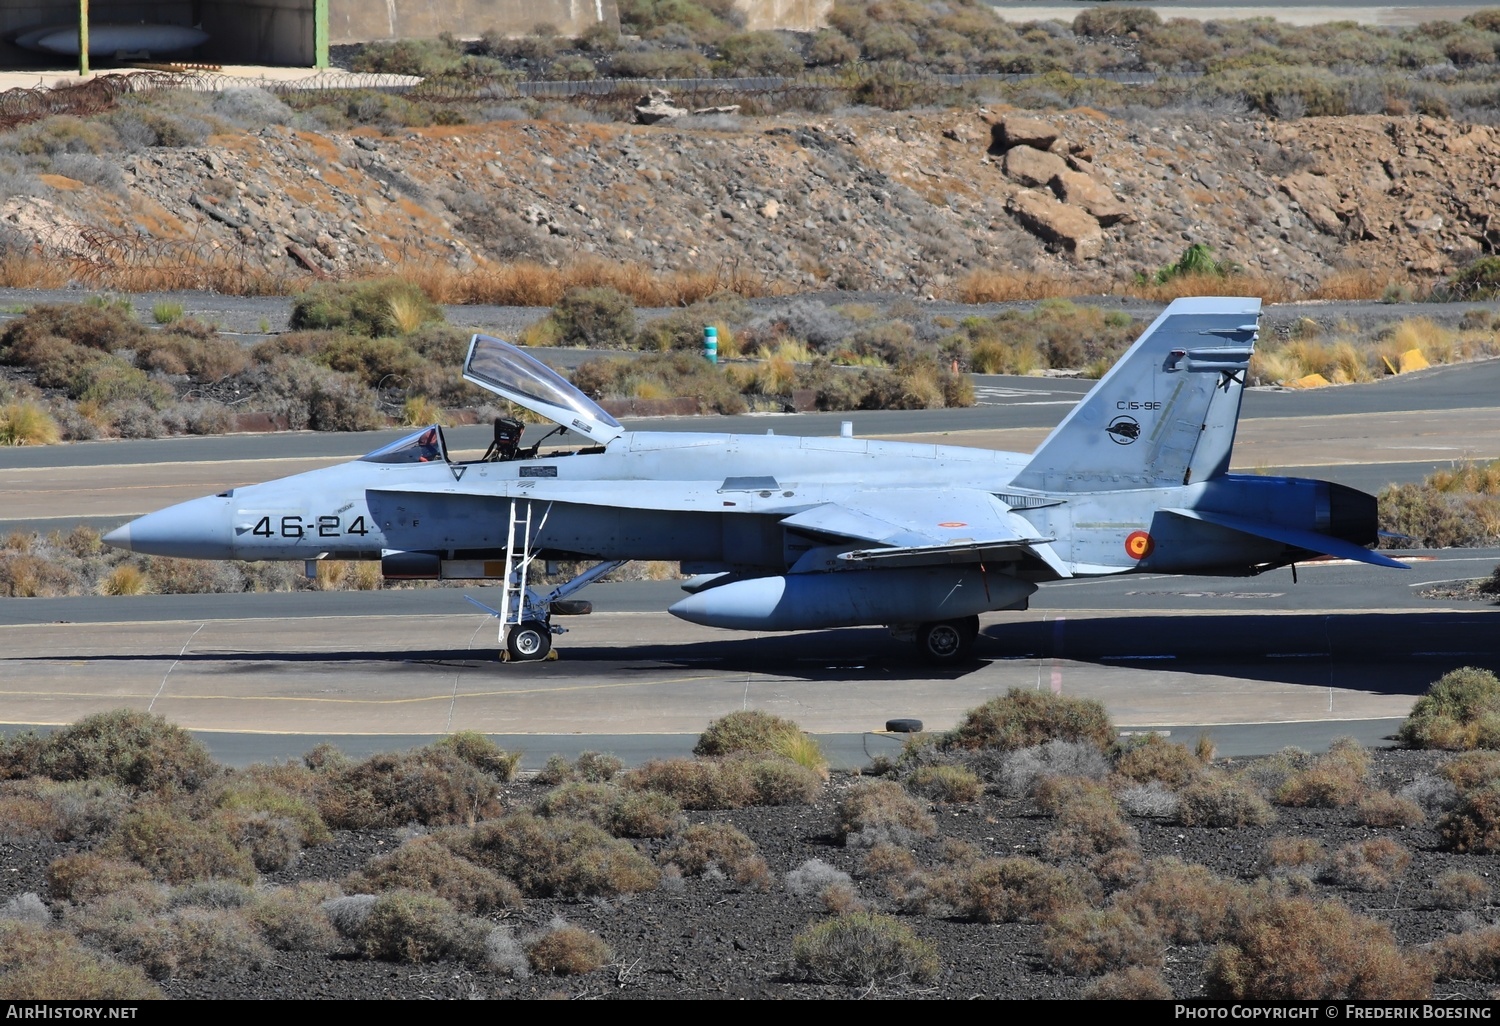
column 519, row 601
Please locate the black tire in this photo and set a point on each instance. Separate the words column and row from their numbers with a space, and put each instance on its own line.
column 572, row 607
column 947, row 642
column 971, row 627
column 528, row 641
column 903, row 726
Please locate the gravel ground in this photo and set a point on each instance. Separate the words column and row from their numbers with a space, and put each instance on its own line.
column 712, row 938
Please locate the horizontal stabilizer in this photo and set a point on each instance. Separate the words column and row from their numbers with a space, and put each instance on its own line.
column 1310, row 540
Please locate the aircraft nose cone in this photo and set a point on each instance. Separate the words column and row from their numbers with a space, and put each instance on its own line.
column 198, row 529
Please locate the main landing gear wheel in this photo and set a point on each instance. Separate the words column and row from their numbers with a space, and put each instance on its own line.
column 948, row 642
column 528, row 641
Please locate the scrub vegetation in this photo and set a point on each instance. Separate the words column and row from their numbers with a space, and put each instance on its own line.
column 159, row 871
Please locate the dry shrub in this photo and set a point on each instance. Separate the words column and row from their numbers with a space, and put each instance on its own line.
column 531, row 284
column 621, row 812
column 1022, row 719
column 753, row 732
column 39, row 963
column 85, row 876
column 1473, row 825
column 1373, row 865
column 731, row 783
column 1471, row 770
column 864, row 948
column 1154, row 758
column 26, row 423
column 991, row 286
column 1219, row 800
column 887, row 859
column 1296, row 949
column 1186, row 904
column 1006, row 890
column 1089, row 942
column 408, row 926
column 431, row 785
column 1052, row 793
column 1335, row 779
column 817, row 878
column 425, row 864
column 292, row 918
column 1383, row 809
column 177, row 848
column 1460, row 889
column 187, row 941
column 1137, row 983
column 1288, row 854
column 132, row 748
column 1460, row 711
column 873, row 811
column 1090, row 824
column 1471, row 955
column 565, row 950
column 555, row 856
column 594, row 767
column 704, row 848
column 945, row 783
column 481, row 753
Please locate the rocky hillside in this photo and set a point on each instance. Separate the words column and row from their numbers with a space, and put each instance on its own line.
column 909, row 202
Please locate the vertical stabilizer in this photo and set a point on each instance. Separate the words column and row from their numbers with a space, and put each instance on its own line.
column 1165, row 414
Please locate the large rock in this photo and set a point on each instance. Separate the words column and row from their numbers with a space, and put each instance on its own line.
column 1318, row 198
column 1072, row 229
column 1032, row 167
column 657, row 106
column 1013, row 131
column 1080, row 190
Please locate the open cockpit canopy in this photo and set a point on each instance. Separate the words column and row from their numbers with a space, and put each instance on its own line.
column 524, row 380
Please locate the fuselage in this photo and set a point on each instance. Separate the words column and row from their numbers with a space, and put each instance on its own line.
column 666, row 496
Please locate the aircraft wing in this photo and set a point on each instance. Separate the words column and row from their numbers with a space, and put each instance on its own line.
column 922, row 527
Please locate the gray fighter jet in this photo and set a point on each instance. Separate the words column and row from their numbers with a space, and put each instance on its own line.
column 792, row 533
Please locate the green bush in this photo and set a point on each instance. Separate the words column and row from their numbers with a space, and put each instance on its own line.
column 1115, row 21
column 746, row 731
column 1460, row 711
column 596, row 318
column 376, row 308
column 1021, row 719
column 753, row 54
column 863, row 948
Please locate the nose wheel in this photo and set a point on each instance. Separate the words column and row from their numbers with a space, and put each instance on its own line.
column 948, row 642
column 528, row 641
